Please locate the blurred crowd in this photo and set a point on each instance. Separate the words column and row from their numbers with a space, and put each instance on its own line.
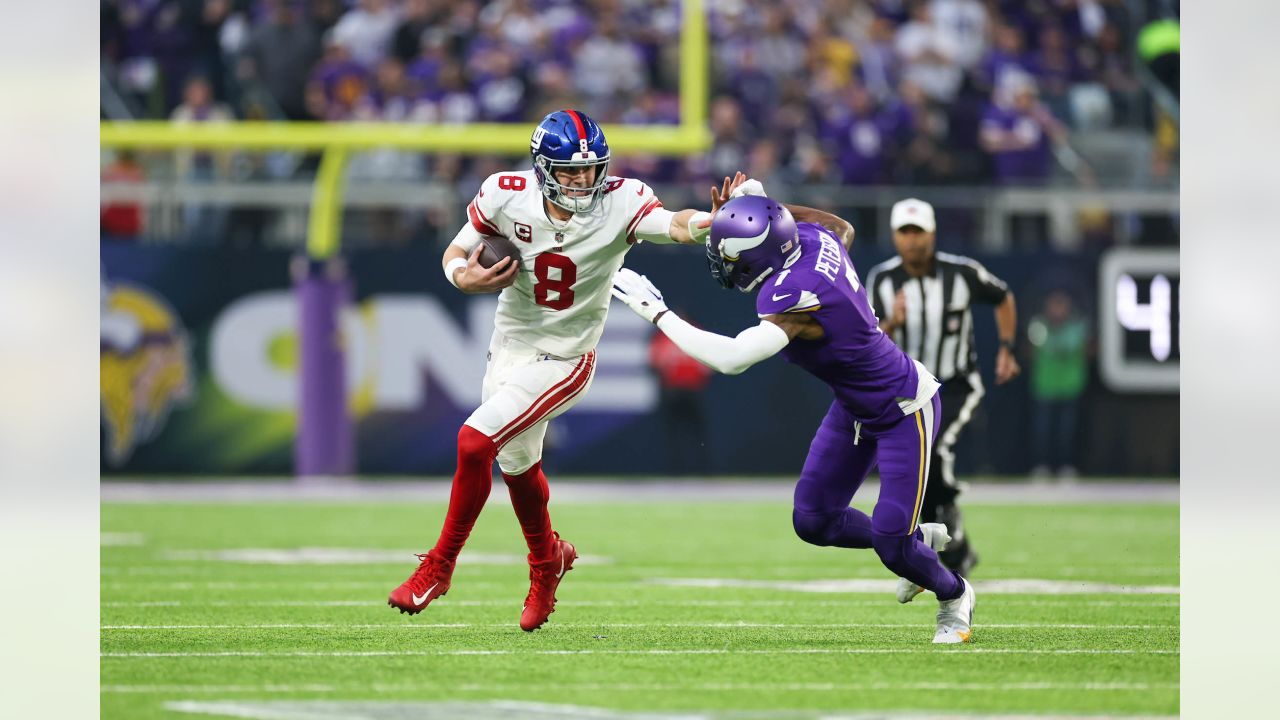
column 820, row 91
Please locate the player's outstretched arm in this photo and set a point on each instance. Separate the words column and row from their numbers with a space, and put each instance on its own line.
column 468, row 275
column 834, row 223
column 688, row 227
column 728, row 355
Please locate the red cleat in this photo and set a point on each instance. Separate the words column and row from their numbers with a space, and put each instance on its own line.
column 430, row 581
column 544, row 578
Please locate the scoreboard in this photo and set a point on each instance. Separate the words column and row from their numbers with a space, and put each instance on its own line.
column 1139, row 319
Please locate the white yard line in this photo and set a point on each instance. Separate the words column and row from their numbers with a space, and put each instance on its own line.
column 506, row 709
column 877, row 585
column 121, row 539
column 367, row 602
column 411, row 625
column 343, row 556
column 654, row 687
column 1026, row 586
column 166, row 689
column 495, row 566
column 681, row 651
column 589, row 490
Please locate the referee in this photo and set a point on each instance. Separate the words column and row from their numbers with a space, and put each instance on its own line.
column 924, row 297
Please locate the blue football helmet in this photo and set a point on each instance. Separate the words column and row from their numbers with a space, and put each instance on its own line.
column 568, row 138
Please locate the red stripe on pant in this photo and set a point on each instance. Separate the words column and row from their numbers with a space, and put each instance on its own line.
column 554, row 388
column 474, row 477
column 549, row 401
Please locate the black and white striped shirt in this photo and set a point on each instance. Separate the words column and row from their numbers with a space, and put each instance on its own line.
column 939, row 326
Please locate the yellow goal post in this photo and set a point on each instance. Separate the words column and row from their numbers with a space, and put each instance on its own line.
column 337, row 140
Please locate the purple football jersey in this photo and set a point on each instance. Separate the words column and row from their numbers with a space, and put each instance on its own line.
column 871, row 377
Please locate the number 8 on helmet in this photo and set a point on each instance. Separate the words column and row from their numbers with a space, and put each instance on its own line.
column 569, row 139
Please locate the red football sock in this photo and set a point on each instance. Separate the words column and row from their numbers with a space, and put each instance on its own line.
column 529, row 495
column 471, row 485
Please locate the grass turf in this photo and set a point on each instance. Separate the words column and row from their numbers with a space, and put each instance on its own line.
column 181, row 624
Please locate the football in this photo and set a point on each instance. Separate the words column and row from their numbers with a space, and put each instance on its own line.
column 494, row 248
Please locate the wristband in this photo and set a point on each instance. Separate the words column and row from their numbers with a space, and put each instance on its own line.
column 1007, row 345
column 454, row 264
column 699, row 234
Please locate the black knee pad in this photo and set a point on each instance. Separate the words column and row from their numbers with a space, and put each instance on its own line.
column 814, row 528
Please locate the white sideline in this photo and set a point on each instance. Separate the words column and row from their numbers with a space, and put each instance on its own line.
column 609, row 625
column 683, row 651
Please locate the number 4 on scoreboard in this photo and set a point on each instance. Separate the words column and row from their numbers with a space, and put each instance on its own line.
column 1138, row 341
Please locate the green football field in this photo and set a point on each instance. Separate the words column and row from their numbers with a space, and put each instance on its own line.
column 694, row 608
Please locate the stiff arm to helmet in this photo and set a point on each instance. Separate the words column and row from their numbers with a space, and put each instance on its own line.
column 728, row 355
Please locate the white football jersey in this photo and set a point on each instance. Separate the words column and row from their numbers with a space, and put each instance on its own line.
column 560, row 299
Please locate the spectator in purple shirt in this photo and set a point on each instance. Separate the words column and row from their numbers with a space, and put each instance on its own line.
column 457, row 103
column 878, row 65
column 337, row 83
column 1017, row 131
column 753, row 87
column 1056, row 68
column 423, row 72
column 863, row 138
column 1008, row 52
column 500, row 87
column 393, row 97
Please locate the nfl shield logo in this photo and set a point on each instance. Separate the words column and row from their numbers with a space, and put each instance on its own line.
column 559, row 238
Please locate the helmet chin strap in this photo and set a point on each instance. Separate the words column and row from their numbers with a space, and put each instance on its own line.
column 555, row 191
column 756, row 283
column 791, row 260
column 563, row 200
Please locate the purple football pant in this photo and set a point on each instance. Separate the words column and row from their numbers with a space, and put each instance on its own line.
column 841, row 455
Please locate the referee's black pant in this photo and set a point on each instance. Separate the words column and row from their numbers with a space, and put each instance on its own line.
column 960, row 396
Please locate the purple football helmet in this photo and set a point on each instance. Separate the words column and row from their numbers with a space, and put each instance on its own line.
column 752, row 237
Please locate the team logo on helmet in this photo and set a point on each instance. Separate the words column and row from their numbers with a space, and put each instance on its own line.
column 569, row 140
column 751, row 237
column 145, row 368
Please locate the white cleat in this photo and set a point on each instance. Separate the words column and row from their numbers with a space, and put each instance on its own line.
column 936, row 537
column 955, row 617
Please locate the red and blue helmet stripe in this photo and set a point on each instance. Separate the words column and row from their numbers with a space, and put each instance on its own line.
column 567, row 138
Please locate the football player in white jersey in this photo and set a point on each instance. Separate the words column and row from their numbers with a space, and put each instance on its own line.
column 573, row 223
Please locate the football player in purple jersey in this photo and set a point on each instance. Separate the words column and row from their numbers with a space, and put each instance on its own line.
column 814, row 310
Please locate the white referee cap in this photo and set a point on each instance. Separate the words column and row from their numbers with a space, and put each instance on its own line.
column 912, row 211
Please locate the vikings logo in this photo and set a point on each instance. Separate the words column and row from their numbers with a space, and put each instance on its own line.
column 145, row 367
